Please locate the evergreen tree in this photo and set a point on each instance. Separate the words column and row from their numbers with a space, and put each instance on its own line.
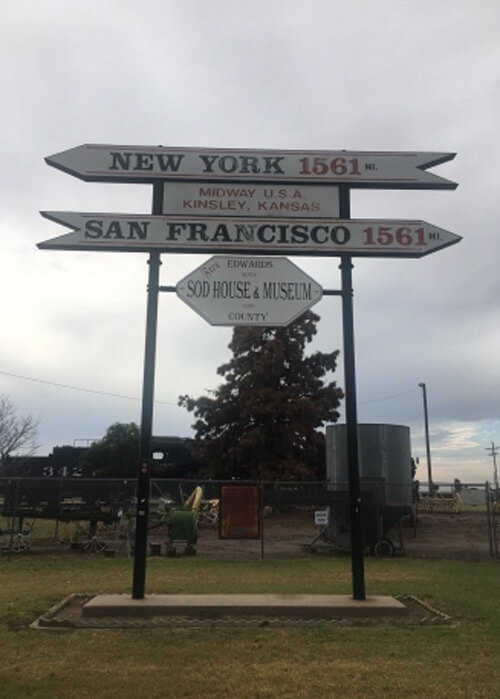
column 116, row 455
column 264, row 422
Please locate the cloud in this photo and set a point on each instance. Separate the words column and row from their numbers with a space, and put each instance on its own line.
column 388, row 75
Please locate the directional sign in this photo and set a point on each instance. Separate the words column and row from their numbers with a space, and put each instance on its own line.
column 250, row 199
column 249, row 291
column 395, row 170
column 325, row 237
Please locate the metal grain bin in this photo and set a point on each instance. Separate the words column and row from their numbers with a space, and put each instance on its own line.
column 385, row 483
column 384, row 461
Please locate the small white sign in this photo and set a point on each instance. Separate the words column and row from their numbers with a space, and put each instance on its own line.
column 265, row 291
column 322, row 517
column 249, row 199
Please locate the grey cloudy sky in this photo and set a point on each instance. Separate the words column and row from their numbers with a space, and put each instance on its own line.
column 360, row 75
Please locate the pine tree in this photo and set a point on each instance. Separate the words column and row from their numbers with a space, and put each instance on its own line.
column 116, row 455
column 264, row 421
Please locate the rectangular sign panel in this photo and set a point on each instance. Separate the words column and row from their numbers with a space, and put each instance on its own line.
column 242, row 199
column 239, row 512
column 326, row 237
column 322, row 517
column 395, row 170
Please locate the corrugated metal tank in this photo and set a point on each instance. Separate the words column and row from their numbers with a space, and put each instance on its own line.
column 384, row 452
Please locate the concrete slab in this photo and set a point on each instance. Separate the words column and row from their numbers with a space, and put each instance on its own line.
column 276, row 605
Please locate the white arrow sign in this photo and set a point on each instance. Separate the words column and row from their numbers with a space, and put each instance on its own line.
column 395, row 170
column 265, row 291
column 326, row 237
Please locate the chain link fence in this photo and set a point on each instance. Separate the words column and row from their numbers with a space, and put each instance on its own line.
column 238, row 519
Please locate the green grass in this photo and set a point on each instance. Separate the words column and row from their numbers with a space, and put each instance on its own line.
column 435, row 661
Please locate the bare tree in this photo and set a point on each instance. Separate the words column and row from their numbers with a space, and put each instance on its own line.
column 17, row 433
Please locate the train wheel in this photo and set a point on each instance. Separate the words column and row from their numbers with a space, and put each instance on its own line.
column 384, row 547
column 93, row 545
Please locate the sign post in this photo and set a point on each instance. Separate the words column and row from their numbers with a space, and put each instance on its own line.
column 142, row 507
column 351, row 417
column 244, row 202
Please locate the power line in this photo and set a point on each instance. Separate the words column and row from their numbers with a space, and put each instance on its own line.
column 79, row 388
column 161, row 402
column 395, row 395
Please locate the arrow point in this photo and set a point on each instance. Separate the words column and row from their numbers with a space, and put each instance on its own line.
column 52, row 216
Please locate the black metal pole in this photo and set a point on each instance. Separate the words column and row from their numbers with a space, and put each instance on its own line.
column 142, row 513
column 351, row 418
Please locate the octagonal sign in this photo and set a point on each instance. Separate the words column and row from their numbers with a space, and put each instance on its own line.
column 237, row 290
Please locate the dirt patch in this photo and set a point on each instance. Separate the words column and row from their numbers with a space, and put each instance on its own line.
column 459, row 536
column 293, row 534
column 290, row 535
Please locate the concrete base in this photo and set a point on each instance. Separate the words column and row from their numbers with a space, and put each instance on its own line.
column 210, row 606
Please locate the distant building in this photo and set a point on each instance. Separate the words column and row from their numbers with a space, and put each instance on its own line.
column 472, row 496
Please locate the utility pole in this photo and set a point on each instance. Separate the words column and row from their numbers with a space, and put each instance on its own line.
column 493, row 453
column 427, row 441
